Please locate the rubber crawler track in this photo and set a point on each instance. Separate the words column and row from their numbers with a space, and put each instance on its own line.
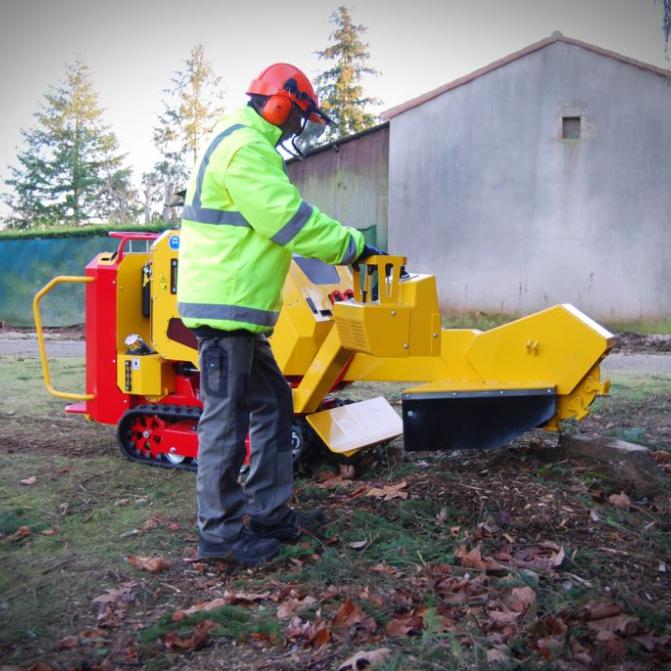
column 149, row 410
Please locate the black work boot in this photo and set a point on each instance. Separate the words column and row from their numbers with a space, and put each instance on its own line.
column 291, row 530
column 246, row 549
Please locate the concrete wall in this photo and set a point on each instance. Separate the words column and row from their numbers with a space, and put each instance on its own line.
column 350, row 184
column 486, row 194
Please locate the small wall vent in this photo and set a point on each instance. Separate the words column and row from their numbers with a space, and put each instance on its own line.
column 570, row 127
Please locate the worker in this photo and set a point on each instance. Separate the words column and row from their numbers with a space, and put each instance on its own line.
column 242, row 221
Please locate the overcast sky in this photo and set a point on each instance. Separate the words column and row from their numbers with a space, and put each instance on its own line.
column 133, row 47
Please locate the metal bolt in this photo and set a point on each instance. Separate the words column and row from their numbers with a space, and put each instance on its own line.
column 173, row 450
column 411, row 413
column 146, row 434
column 435, row 335
column 406, row 346
column 393, row 313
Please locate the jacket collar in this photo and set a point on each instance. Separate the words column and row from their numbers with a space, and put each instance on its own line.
column 249, row 117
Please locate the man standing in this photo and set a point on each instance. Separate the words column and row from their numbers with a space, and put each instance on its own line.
column 242, row 221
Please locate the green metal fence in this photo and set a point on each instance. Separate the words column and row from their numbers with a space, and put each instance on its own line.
column 27, row 264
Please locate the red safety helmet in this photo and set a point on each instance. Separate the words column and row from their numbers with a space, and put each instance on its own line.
column 284, row 84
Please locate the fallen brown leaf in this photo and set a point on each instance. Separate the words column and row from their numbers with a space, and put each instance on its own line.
column 358, row 545
column 21, row 533
column 613, row 644
column 521, row 599
column 550, row 647
column 348, row 614
column 621, row 501
column 289, row 607
column 151, row 564
column 365, row 659
column 650, row 643
column 625, row 625
column 544, row 556
column 374, row 597
column 29, row 481
column 580, row 653
column 402, row 626
column 597, row 611
column 321, row 636
column 332, row 483
column 122, row 593
column 662, row 456
column 389, row 492
column 385, row 569
column 68, row 643
column 175, row 643
column 296, row 630
column 94, row 636
column 49, row 532
column 498, row 655
column 502, row 618
column 113, row 603
column 346, row 471
column 473, row 559
column 239, row 598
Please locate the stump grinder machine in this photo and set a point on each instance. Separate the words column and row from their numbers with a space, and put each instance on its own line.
column 339, row 325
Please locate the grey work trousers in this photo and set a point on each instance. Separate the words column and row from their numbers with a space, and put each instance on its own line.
column 242, row 390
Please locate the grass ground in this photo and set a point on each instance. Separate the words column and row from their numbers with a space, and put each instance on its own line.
column 517, row 558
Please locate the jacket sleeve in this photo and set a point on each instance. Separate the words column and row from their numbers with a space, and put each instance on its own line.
column 273, row 207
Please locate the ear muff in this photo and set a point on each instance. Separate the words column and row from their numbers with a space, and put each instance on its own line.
column 276, row 110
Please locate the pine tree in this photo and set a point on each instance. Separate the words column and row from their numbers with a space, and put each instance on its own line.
column 340, row 91
column 152, row 194
column 191, row 109
column 70, row 170
column 666, row 21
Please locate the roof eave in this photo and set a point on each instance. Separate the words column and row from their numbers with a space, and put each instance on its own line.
column 434, row 93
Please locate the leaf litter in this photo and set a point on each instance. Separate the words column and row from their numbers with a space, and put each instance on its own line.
column 508, row 564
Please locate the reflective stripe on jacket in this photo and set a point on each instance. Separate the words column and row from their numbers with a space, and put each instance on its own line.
column 241, row 222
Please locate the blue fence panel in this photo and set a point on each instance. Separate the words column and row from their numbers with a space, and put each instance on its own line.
column 26, row 265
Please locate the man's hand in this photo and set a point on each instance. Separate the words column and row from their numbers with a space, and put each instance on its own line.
column 369, row 250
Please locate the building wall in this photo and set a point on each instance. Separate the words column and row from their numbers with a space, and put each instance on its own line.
column 486, row 194
column 351, row 184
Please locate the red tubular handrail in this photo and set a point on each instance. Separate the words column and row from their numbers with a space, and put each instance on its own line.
column 126, row 236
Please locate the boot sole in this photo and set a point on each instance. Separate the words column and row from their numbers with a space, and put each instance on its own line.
column 231, row 558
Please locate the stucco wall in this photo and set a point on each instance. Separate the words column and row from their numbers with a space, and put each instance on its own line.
column 350, row 184
column 486, row 194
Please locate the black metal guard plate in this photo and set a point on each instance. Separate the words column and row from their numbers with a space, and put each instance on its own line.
column 473, row 420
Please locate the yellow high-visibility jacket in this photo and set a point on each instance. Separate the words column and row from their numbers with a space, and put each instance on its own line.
column 241, row 222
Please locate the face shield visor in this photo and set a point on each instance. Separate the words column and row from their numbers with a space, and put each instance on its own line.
column 314, row 124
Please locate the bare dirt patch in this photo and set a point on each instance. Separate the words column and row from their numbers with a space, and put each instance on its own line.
column 635, row 343
column 75, row 332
